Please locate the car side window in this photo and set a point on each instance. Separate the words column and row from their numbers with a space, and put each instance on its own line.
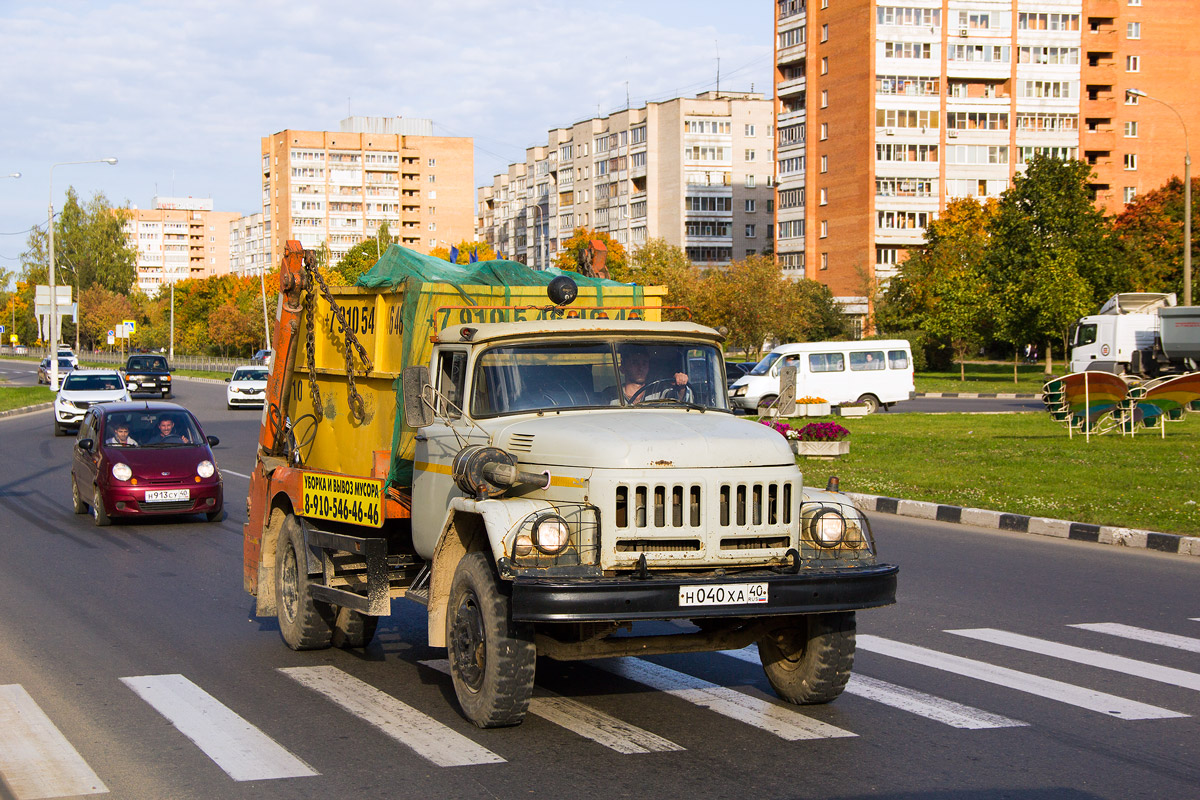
column 88, row 426
column 897, row 359
column 826, row 362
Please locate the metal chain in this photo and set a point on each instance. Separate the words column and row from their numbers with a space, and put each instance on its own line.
column 314, row 392
column 353, row 398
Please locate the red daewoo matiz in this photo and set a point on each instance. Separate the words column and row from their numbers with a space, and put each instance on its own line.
column 140, row 459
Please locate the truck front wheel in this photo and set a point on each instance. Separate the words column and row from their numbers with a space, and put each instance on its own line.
column 808, row 660
column 492, row 659
column 304, row 623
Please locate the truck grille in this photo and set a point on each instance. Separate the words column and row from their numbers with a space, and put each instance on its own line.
column 737, row 519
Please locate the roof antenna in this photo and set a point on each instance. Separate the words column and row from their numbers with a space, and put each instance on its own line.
column 717, row 44
column 626, row 95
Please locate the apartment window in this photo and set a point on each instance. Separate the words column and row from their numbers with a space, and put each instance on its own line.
column 750, row 231
column 1131, row 130
column 824, row 163
column 1133, row 63
column 824, row 65
column 1131, row 99
column 1133, row 30
column 751, row 206
column 824, row 228
column 1134, row 2
column 824, row 98
column 1131, row 161
column 433, row 178
column 749, row 155
column 433, row 162
column 824, row 260
column 637, row 135
column 1130, row 194
column 824, row 131
column 824, row 196
column 749, row 181
column 824, row 33
column 433, row 194
column 887, row 256
column 564, row 153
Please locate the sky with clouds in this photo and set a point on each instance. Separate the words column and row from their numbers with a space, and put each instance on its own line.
column 182, row 92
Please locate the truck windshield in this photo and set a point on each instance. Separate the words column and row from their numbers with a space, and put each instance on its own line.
column 557, row 377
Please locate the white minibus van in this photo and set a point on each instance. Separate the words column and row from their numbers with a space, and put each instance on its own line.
column 877, row 372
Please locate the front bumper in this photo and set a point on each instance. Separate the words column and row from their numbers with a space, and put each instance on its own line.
column 655, row 598
column 245, row 399
column 148, row 384
column 129, row 501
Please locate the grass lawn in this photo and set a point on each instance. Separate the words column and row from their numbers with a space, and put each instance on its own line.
column 986, row 377
column 20, row 396
column 1024, row 464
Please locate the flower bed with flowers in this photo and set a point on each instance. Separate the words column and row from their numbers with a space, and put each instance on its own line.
column 812, row 407
column 815, row 440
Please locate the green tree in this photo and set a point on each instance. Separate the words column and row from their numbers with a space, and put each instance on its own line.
column 1047, row 223
column 1150, row 231
column 574, row 254
column 660, row 263
column 809, row 313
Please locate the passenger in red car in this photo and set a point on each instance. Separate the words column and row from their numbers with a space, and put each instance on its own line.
column 166, row 433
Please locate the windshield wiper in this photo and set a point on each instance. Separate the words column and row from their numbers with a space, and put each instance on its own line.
column 673, row 401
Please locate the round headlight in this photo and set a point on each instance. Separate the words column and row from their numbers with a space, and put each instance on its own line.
column 122, row 472
column 205, row 469
column 827, row 527
column 523, row 546
column 550, row 534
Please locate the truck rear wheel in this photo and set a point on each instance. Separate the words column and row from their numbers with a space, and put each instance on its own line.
column 808, row 660
column 352, row 629
column 492, row 659
column 304, row 623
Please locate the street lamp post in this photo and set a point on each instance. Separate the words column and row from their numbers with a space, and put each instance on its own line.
column 13, row 175
column 50, row 269
column 1187, row 197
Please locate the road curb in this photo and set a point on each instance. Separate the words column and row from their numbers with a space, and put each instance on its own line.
column 13, row 412
column 1039, row 526
column 981, row 395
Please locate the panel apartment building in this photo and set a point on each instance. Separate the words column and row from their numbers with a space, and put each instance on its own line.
column 696, row 172
column 179, row 238
column 340, row 186
column 887, row 110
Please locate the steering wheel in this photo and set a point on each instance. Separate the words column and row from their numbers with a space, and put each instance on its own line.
column 663, row 383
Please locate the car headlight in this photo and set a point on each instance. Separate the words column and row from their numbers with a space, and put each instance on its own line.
column 205, row 469
column 121, row 471
column 550, row 534
column 827, row 527
column 166, row 377
column 739, row 391
column 132, row 384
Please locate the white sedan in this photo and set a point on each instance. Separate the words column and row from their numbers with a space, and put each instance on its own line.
column 81, row 390
column 247, row 387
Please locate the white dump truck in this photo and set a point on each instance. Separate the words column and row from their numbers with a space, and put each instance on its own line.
column 1138, row 333
column 553, row 479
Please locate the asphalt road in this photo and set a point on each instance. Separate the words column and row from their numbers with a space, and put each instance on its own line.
column 108, row 634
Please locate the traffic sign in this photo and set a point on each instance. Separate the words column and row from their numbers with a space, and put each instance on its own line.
column 130, row 327
column 1, row 329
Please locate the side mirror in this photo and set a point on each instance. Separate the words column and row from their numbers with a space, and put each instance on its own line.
column 227, row 380
column 85, row 445
column 213, row 441
column 414, row 382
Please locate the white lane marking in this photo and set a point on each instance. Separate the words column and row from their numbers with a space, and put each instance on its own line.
column 782, row 721
column 925, row 705
column 36, row 760
column 588, row 722
column 1143, row 635
column 1081, row 655
column 234, row 745
column 231, row 472
column 1021, row 681
column 426, row 736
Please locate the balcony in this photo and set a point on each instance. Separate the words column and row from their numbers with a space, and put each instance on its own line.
column 1105, row 105
column 1104, row 73
column 1104, row 40
column 1104, row 8
column 1098, row 140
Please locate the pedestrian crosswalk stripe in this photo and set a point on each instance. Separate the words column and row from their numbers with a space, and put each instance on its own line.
column 1081, row 655
column 423, row 734
column 1143, row 635
column 1089, row 699
column 937, row 709
column 234, row 745
column 586, row 721
column 782, row 721
column 36, row 760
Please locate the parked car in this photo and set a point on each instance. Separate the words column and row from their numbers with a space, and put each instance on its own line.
column 262, row 357
column 735, row 370
column 81, row 390
column 64, row 368
column 247, row 387
column 148, row 374
column 144, row 459
column 68, row 353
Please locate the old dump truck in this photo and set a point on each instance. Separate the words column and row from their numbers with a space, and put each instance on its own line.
column 544, row 477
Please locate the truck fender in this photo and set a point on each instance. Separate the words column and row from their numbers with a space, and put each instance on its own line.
column 471, row 525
